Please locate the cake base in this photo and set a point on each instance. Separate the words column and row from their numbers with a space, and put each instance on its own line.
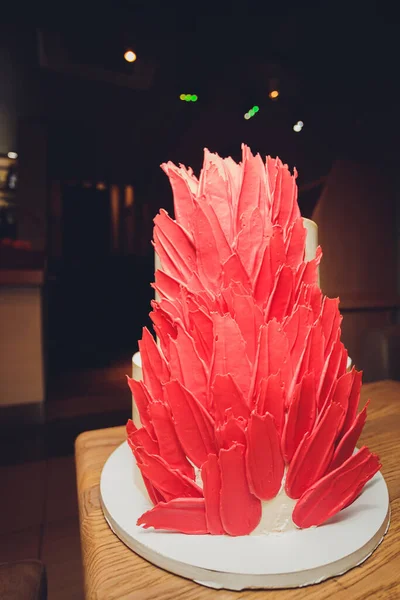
column 278, row 560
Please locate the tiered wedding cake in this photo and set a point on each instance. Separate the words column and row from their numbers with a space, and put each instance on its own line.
column 248, row 412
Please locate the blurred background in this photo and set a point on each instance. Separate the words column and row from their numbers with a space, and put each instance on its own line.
column 93, row 98
column 91, row 102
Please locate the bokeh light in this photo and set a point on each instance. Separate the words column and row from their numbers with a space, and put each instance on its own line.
column 252, row 112
column 189, row 97
column 130, row 56
column 274, row 94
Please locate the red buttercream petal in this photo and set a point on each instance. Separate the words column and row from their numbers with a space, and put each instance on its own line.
column 184, row 515
column 301, row 416
column 271, row 399
column 167, row 286
column 272, row 354
column 193, row 424
column 335, row 491
column 154, row 366
column 163, row 327
column 141, row 439
column 273, row 258
column 170, row 482
column 208, row 260
column 176, row 246
column 330, row 373
column 295, row 243
column 170, row 448
column 250, row 239
column 249, row 318
column 226, row 395
column 284, row 207
column 142, row 400
column 229, row 355
column 184, row 186
column 214, row 185
column 224, row 249
column 296, row 327
column 253, row 192
column 281, row 299
column 211, row 476
column 348, row 442
column 314, row 358
column 130, row 427
column 187, row 366
column 240, row 509
column 341, row 395
column 308, row 272
column 271, row 168
column 330, row 320
column 354, row 400
column 234, row 271
column 233, row 430
column 314, row 453
column 202, row 332
column 173, row 309
column 264, row 461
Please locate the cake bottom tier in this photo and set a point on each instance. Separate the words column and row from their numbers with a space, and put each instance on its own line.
column 290, row 558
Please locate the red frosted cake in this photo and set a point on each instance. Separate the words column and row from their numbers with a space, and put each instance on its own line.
column 248, row 413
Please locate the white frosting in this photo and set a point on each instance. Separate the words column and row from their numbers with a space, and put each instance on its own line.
column 311, row 239
column 276, row 515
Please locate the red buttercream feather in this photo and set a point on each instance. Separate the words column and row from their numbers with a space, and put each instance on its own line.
column 272, row 354
column 271, row 399
column 232, row 431
column 170, row 448
column 348, row 442
column 314, row 453
column 301, row 416
column 142, row 400
column 155, row 369
column 240, row 509
column 176, row 245
column 335, row 491
column 170, row 482
column 193, row 424
column 227, row 396
column 184, row 186
column 264, row 461
column 183, row 515
column 211, row 476
column 229, row 355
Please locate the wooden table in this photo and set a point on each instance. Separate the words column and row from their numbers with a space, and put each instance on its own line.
column 113, row 572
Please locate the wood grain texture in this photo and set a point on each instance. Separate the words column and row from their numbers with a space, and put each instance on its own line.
column 113, row 572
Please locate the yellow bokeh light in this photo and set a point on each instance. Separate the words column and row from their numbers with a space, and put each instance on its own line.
column 273, row 94
column 130, row 56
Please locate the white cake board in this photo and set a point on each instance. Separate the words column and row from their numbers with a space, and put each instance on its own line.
column 277, row 560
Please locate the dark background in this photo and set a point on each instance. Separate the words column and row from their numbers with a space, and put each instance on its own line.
column 78, row 112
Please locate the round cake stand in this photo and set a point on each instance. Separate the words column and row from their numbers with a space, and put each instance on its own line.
column 277, row 560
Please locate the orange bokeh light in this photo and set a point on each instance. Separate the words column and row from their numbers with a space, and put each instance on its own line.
column 130, row 56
